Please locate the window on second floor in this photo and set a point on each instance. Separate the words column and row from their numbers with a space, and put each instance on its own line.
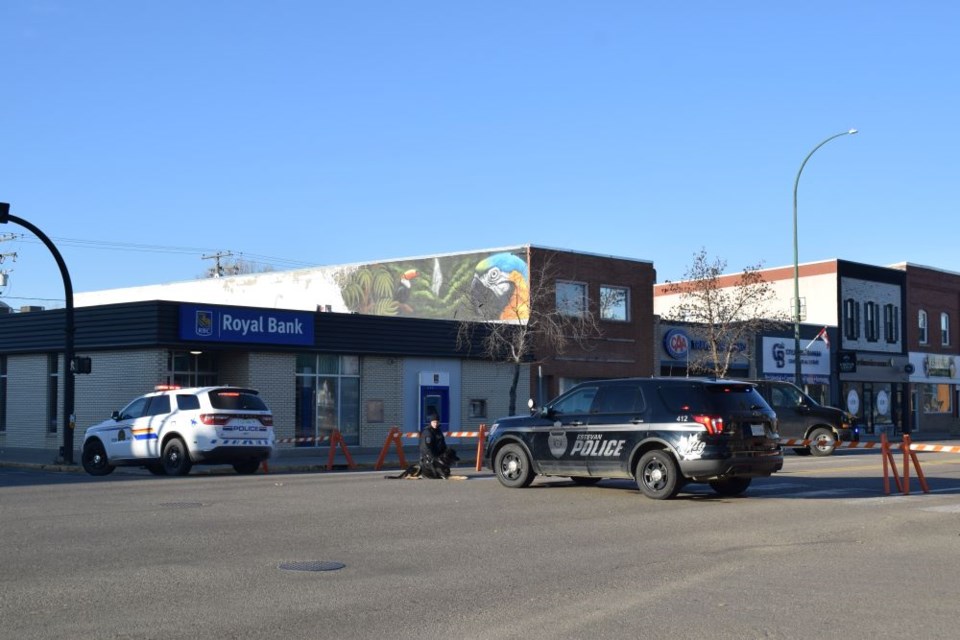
column 922, row 326
column 851, row 319
column 891, row 323
column 871, row 321
column 571, row 298
column 945, row 329
column 614, row 303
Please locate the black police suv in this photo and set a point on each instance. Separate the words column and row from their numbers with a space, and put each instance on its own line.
column 801, row 417
column 663, row 432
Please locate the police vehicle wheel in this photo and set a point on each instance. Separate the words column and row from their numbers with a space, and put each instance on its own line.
column 513, row 467
column 823, row 442
column 246, row 467
column 94, row 459
column 585, row 481
column 732, row 486
column 176, row 459
column 657, row 475
column 156, row 469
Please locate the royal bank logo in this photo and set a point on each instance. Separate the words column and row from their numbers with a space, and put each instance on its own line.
column 205, row 323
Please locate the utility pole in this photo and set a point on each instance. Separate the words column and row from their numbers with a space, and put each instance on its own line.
column 218, row 268
column 3, row 256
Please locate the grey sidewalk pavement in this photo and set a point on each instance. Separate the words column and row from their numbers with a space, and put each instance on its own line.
column 317, row 459
column 284, row 460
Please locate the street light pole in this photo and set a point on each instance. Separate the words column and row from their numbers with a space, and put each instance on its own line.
column 798, row 375
column 68, row 341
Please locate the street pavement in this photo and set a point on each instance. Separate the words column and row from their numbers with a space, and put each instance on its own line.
column 318, row 459
column 284, row 460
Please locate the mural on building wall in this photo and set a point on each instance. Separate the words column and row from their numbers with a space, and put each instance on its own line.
column 475, row 286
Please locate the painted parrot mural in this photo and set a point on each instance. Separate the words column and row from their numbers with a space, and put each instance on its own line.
column 503, row 277
column 465, row 286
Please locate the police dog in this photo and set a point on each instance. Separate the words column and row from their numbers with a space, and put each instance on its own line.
column 439, row 469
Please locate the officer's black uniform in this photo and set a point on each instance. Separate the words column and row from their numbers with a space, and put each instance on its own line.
column 435, row 457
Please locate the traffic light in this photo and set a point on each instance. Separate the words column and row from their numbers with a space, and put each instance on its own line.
column 4, row 212
column 81, row 364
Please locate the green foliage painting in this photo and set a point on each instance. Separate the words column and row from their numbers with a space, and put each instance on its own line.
column 442, row 287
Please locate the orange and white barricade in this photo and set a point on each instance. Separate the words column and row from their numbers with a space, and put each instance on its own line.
column 395, row 438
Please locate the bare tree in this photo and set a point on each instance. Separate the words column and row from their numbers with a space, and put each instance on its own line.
column 725, row 315
column 541, row 324
column 236, row 266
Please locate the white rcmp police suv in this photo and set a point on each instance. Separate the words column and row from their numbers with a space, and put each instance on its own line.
column 169, row 430
column 663, row 432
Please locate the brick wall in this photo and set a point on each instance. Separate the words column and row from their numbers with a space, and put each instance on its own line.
column 381, row 384
column 490, row 381
column 274, row 376
column 117, row 378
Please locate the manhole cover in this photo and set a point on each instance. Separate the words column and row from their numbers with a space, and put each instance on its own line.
column 181, row 505
column 311, row 565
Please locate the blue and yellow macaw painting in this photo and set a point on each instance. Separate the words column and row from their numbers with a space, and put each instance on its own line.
column 505, row 277
column 470, row 286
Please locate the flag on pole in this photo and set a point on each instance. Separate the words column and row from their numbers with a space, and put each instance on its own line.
column 822, row 335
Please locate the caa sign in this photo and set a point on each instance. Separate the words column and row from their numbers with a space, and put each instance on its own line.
column 233, row 324
column 676, row 344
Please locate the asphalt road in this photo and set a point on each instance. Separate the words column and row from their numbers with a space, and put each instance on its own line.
column 817, row 551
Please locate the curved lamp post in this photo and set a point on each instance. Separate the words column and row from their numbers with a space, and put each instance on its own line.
column 68, row 380
column 798, row 375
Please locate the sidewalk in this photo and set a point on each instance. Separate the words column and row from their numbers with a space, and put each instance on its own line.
column 284, row 460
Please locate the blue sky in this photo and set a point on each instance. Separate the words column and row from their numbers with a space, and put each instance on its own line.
column 143, row 135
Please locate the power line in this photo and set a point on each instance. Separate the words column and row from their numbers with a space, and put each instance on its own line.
column 155, row 248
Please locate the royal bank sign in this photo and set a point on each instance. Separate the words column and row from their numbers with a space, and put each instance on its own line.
column 235, row 324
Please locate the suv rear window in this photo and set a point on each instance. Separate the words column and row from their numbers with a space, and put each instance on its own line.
column 187, row 402
column 710, row 398
column 236, row 400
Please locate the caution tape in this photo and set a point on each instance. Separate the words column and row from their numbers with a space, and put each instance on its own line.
column 447, row 434
column 836, row 445
column 942, row 448
column 302, row 440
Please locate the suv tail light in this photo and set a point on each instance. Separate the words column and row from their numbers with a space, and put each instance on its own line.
column 714, row 424
column 223, row 419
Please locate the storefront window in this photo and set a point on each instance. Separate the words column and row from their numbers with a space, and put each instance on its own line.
column 328, row 398
column 935, row 398
column 192, row 368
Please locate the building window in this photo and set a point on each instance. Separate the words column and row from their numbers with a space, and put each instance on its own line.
column 328, row 398
column 53, row 387
column 891, row 323
column 935, row 398
column 571, row 298
column 192, row 368
column 922, row 326
column 3, row 394
column 851, row 319
column 614, row 303
column 478, row 409
column 871, row 321
column 945, row 329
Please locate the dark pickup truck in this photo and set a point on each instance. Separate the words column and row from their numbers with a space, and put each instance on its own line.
column 800, row 417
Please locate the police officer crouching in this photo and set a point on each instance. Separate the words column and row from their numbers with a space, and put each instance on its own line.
column 435, row 456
